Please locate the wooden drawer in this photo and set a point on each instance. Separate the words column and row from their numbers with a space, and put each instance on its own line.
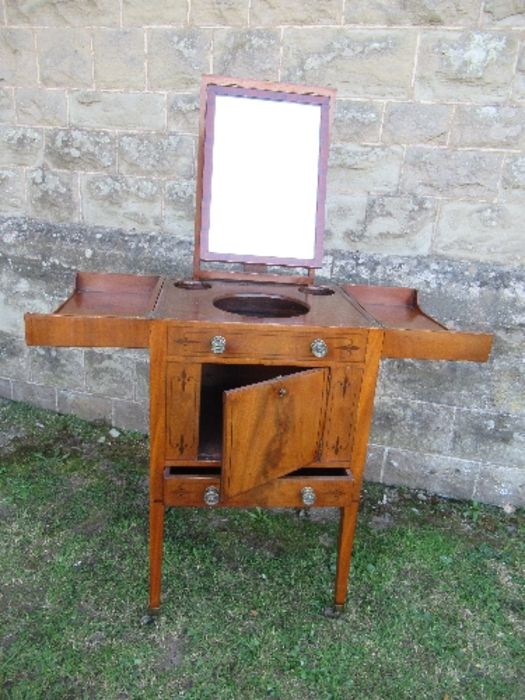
column 265, row 344
column 332, row 487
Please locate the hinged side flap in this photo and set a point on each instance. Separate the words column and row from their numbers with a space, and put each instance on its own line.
column 272, row 428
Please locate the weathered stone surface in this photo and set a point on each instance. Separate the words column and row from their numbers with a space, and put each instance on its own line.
column 498, row 438
column 469, row 66
column 230, row 13
column 397, row 225
column 19, row 293
column 491, row 232
column 494, row 386
column 411, row 425
column 374, row 463
column 109, row 373
column 183, row 113
column 164, row 155
column 513, row 179
column 137, row 13
column 504, row 13
column 18, row 65
column 490, row 297
column 253, row 52
column 446, row 476
column 410, row 122
column 500, row 485
column 6, row 389
column 75, row 149
column 463, row 294
column 58, row 367
column 437, row 12
column 36, row 394
column 449, row 383
column 12, row 192
column 119, row 201
column 58, row 13
column 53, row 195
column 451, row 173
column 117, row 110
column 271, row 13
column 130, row 415
column 493, row 126
column 13, row 355
column 359, row 63
column 7, row 106
column 47, row 270
column 142, row 379
column 179, row 208
column 177, row 58
column 65, row 57
column 356, row 121
column 508, row 371
column 518, row 85
column 364, row 168
column 20, row 146
column 37, row 107
column 119, row 58
column 345, row 220
column 85, row 405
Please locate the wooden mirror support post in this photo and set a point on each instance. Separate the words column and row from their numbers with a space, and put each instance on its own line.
column 262, row 383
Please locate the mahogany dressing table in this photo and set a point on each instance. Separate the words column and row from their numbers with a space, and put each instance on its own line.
column 261, row 383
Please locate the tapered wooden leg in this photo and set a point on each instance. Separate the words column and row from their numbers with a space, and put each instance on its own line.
column 156, row 537
column 344, row 553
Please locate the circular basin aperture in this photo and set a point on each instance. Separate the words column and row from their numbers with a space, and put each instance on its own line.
column 261, row 305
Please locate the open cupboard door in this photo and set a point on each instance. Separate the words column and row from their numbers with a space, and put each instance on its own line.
column 272, row 428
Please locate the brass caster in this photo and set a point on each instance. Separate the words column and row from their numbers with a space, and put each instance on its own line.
column 334, row 611
column 150, row 617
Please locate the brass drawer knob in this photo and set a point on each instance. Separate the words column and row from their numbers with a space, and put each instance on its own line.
column 218, row 344
column 319, row 348
column 211, row 496
column 308, row 496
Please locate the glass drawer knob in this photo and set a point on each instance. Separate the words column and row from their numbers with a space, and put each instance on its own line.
column 308, row 496
column 319, row 348
column 211, row 496
column 218, row 344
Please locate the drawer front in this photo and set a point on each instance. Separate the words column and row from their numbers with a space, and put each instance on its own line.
column 250, row 343
column 286, row 492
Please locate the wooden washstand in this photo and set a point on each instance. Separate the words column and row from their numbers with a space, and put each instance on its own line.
column 261, row 384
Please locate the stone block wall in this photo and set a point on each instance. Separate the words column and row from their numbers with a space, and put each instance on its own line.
column 98, row 121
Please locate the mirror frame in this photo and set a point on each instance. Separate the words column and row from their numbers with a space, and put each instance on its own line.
column 255, row 266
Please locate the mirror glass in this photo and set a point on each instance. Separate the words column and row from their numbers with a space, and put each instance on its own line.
column 263, row 177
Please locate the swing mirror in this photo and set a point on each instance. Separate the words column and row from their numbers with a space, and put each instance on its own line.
column 262, row 174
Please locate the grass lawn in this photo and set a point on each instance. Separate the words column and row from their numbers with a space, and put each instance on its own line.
column 436, row 604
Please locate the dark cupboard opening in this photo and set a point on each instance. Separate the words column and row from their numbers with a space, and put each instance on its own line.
column 218, row 378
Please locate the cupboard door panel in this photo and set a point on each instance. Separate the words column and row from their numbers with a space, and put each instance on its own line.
column 272, row 428
column 182, row 410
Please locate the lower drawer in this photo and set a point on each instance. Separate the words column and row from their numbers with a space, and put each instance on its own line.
column 328, row 487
